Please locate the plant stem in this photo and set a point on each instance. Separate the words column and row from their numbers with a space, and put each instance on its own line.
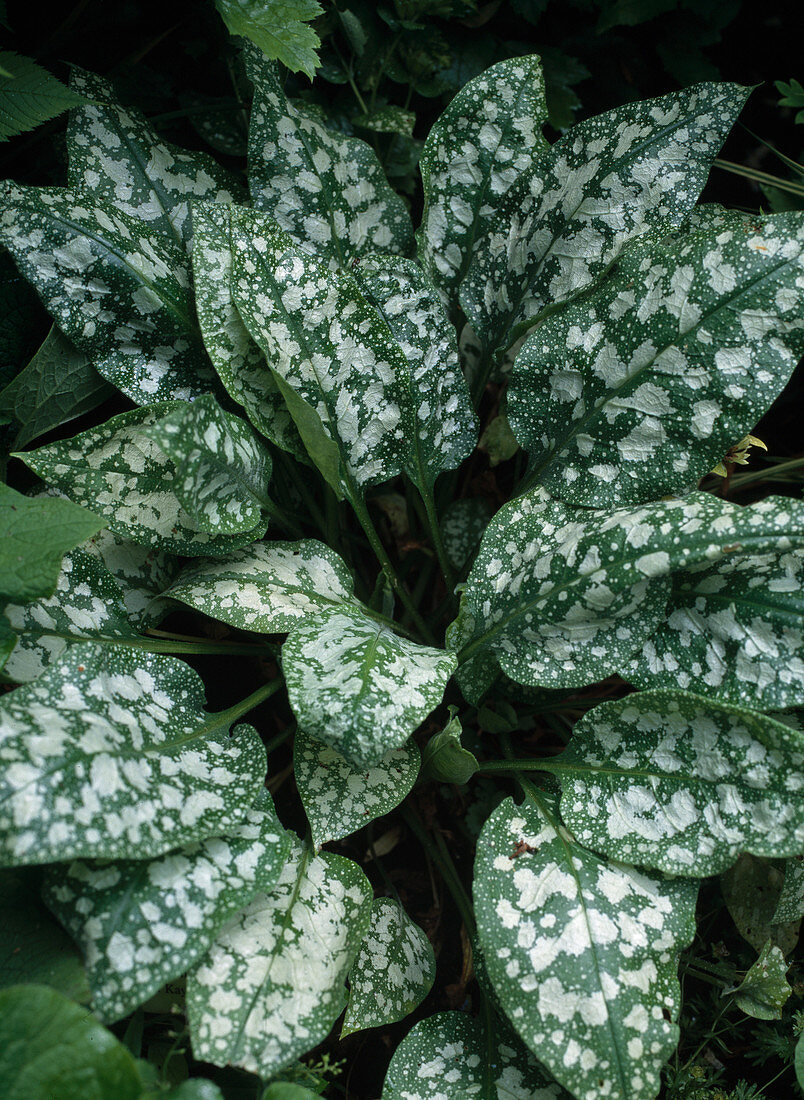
column 231, row 714
column 439, row 854
column 168, row 644
column 517, row 766
column 438, row 542
column 280, row 739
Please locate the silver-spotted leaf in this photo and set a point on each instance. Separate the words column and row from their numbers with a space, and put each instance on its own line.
column 110, row 755
column 764, row 990
column 462, row 527
column 790, row 906
column 358, row 687
column 639, row 390
column 272, row 984
column 582, row 954
column 683, row 783
column 142, row 923
column 752, row 889
column 393, row 972
column 339, row 798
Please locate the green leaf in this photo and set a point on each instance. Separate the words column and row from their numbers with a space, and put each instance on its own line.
column 358, row 687
column 286, row 1090
column 608, row 180
column 790, row 906
column 120, row 471
column 141, row 924
column 752, row 889
column 51, row 1047
column 109, row 754
column 582, row 954
column 485, row 139
column 798, row 1061
column 272, row 984
column 29, row 95
column 563, row 598
column 327, row 190
column 444, row 759
column 764, row 990
column 498, row 441
column 277, row 27
column 463, row 524
column 269, row 587
column 37, row 532
column 394, row 970
column 682, row 783
column 389, row 119
column 58, row 385
column 640, row 389
column 340, row 799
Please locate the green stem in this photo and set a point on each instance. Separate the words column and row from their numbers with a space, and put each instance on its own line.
column 250, row 702
column 518, row 766
column 281, row 518
column 168, row 645
column 439, row 854
column 280, row 739
column 768, row 474
column 438, row 542
column 760, row 177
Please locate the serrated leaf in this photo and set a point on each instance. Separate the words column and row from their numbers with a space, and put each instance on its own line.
column 444, row 759
column 29, row 95
column 582, row 954
column 109, row 754
column 608, row 180
column 358, row 687
column 682, row 783
column 36, row 533
column 272, row 984
column 277, row 27
column 50, row 1046
column 488, row 135
column 326, row 189
column 640, row 389
column 338, row 798
column 563, row 598
column 790, row 906
column 393, row 972
column 120, row 471
column 268, row 587
column 140, row 924
column 764, row 990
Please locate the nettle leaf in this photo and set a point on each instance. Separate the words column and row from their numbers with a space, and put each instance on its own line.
column 639, row 390
column 140, row 924
column 121, row 472
column 116, row 156
column 327, row 190
column 238, row 360
column 338, row 798
column 119, row 292
column 564, row 598
column 582, row 954
column 485, row 139
column 394, row 970
column 268, row 587
column 358, row 687
column 764, row 990
column 449, row 1056
column 790, row 906
column 325, row 341
column 29, row 95
column 439, row 422
column 611, row 178
column 682, row 783
column 278, row 28
column 272, row 984
column 109, row 754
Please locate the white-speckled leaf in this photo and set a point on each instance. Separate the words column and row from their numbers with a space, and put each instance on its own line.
column 394, row 970
column 272, row 984
column 142, row 573
column 116, row 156
column 439, row 422
column 462, row 527
column 140, row 924
column 682, row 783
column 326, row 189
column 639, row 390
column 449, row 1056
column 480, row 145
column 338, row 798
column 268, row 587
column 119, row 471
column 764, row 990
column 582, row 954
column 564, row 597
column 325, row 340
column 109, row 754
column 609, row 179
column 790, row 906
column 358, row 687
column 240, row 364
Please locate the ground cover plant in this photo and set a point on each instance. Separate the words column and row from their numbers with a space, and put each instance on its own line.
column 430, row 507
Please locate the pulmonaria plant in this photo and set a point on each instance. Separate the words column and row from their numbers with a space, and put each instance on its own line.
column 291, row 351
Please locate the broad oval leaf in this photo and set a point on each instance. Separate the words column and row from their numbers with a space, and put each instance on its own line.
column 140, row 924
column 358, row 687
column 393, row 972
column 674, row 781
column 639, row 390
column 272, row 984
column 582, row 954
column 110, row 755
column 338, row 798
